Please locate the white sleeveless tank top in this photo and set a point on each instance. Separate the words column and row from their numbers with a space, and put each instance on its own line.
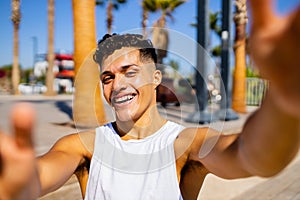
column 135, row 169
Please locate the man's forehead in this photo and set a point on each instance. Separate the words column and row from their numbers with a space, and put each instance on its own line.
column 123, row 56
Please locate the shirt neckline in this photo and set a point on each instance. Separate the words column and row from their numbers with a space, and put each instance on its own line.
column 158, row 132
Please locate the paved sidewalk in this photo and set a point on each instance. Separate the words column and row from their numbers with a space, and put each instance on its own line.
column 54, row 121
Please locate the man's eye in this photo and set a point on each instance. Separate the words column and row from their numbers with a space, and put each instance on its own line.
column 107, row 79
column 130, row 73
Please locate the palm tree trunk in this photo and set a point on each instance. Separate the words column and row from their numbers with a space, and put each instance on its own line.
column 109, row 19
column 15, row 66
column 50, row 54
column 239, row 76
column 16, row 18
column 144, row 21
column 88, row 109
column 160, row 38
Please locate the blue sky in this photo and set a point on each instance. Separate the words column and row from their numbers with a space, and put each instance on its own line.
column 128, row 17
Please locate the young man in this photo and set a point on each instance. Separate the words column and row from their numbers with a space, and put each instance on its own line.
column 143, row 156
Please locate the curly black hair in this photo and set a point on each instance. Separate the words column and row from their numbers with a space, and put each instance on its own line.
column 109, row 43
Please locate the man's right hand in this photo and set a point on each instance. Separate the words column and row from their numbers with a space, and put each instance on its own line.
column 275, row 45
column 18, row 171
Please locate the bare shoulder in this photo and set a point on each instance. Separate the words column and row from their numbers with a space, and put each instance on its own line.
column 79, row 143
column 188, row 139
column 87, row 139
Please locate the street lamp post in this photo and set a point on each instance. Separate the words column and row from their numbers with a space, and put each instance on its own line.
column 202, row 115
column 225, row 112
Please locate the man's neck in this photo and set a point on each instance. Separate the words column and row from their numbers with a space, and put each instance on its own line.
column 148, row 124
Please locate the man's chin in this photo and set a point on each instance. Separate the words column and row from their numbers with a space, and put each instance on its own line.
column 124, row 117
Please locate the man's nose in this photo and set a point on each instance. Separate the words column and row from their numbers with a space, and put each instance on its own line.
column 119, row 82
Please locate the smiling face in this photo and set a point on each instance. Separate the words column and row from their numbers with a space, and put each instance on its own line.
column 129, row 84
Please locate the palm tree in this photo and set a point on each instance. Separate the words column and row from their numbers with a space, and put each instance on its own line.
column 214, row 19
column 239, row 76
column 50, row 55
column 147, row 6
column 160, row 39
column 160, row 36
column 88, row 109
column 16, row 18
column 144, row 17
column 111, row 4
column 175, row 67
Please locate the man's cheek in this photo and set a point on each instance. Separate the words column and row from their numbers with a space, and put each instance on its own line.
column 141, row 82
column 106, row 95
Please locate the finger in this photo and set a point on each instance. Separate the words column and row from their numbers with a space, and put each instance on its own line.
column 261, row 12
column 296, row 19
column 1, row 162
column 23, row 118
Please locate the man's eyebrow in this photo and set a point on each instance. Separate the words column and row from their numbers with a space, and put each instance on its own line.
column 105, row 73
column 128, row 66
column 125, row 67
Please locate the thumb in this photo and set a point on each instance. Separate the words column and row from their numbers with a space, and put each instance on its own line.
column 22, row 119
column 261, row 12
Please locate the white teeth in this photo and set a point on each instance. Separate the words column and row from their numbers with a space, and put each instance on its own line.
column 123, row 98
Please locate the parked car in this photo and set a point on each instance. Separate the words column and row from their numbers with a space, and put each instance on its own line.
column 166, row 93
column 26, row 88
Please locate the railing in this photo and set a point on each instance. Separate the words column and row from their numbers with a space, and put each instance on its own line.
column 255, row 91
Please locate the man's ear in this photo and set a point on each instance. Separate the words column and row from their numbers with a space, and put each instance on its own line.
column 157, row 77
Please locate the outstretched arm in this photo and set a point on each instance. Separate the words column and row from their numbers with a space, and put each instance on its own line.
column 275, row 47
column 270, row 138
column 61, row 162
